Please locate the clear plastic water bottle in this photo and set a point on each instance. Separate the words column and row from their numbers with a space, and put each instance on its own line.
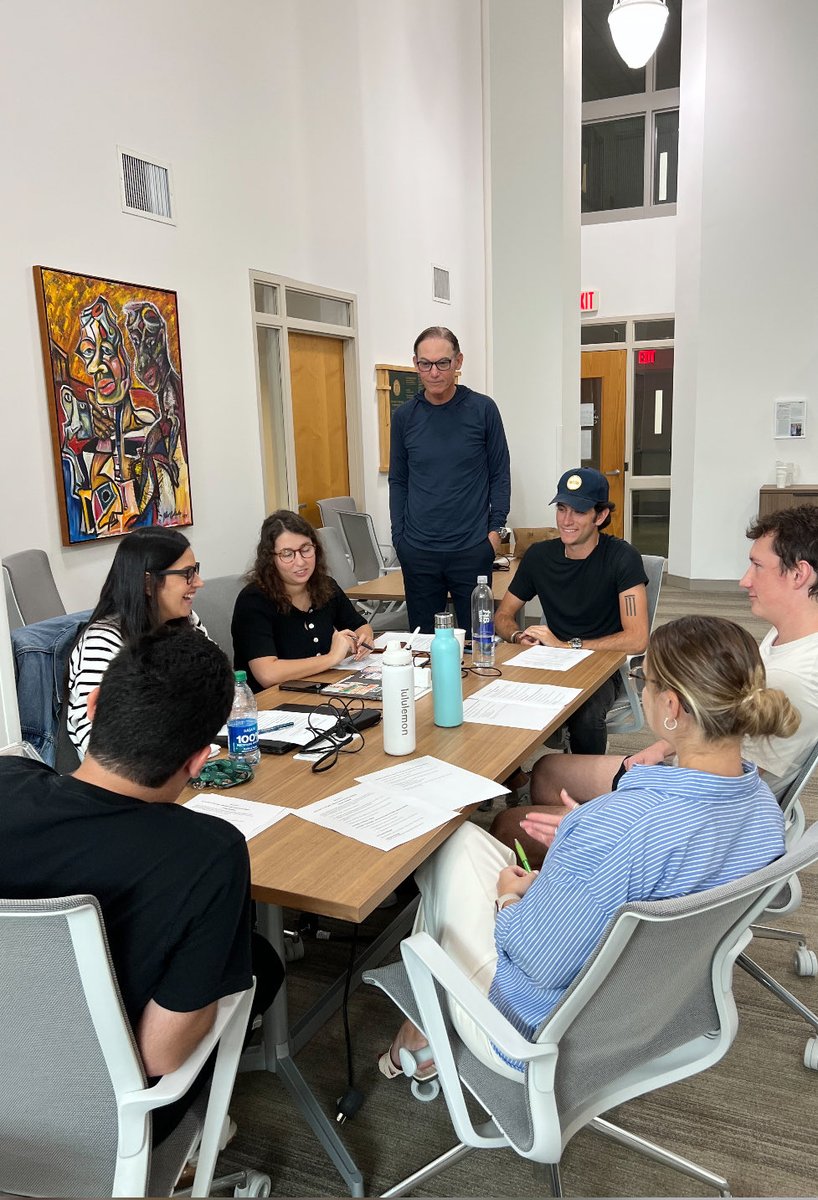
column 447, row 681
column 242, row 724
column 482, row 624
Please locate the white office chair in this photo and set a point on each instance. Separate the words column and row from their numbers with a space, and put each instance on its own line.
column 75, row 1112
column 368, row 561
column 654, row 1004
column 381, row 616
column 805, row 962
column 214, row 606
column 329, row 509
column 31, row 593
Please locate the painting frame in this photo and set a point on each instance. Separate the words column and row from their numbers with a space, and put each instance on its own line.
column 113, row 366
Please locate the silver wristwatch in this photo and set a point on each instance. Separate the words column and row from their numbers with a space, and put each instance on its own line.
column 575, row 643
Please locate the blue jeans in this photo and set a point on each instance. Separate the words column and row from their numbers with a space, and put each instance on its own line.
column 430, row 576
column 587, row 731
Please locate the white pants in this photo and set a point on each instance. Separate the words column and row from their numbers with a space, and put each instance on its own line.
column 458, row 887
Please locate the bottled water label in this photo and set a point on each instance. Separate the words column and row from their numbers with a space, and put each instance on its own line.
column 242, row 736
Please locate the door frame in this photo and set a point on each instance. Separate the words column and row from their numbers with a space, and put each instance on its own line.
column 274, row 489
column 633, row 483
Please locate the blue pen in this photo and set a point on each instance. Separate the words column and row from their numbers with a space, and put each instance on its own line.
column 275, row 728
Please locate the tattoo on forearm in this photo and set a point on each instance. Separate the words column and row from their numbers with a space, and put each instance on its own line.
column 630, row 606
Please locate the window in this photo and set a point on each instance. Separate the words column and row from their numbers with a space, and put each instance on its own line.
column 630, row 122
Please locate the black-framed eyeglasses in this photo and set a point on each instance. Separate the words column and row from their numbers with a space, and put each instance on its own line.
column 424, row 365
column 189, row 573
column 306, row 551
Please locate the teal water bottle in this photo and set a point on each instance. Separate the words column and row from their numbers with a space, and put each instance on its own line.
column 447, row 682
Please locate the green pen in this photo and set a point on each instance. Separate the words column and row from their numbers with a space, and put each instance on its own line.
column 521, row 855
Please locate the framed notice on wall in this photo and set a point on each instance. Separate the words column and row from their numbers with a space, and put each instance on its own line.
column 395, row 385
column 790, row 419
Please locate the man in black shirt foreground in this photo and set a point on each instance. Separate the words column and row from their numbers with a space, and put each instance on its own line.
column 592, row 588
column 174, row 885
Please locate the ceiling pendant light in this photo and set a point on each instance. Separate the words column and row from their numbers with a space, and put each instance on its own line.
column 637, row 27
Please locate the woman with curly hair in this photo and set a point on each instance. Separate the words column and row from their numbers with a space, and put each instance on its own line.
column 292, row 619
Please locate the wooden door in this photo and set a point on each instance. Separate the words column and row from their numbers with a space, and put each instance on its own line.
column 602, row 423
column 319, row 420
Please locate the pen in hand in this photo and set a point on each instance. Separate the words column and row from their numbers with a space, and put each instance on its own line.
column 521, row 855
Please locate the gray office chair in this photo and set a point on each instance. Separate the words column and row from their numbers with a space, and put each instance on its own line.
column 368, row 561
column 380, row 616
column 214, row 606
column 31, row 592
column 653, row 1005
column 329, row 510
column 788, row 900
column 74, row 1106
column 626, row 716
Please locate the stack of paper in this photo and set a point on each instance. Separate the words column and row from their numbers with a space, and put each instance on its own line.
column 400, row 803
column 517, row 705
column 548, row 658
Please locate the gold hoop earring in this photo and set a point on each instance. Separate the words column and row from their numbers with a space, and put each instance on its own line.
column 670, row 724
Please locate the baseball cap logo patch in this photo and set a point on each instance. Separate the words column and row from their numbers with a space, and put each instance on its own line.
column 573, row 483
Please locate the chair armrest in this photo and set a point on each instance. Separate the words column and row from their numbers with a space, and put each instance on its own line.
column 232, row 1015
column 389, row 570
column 435, row 961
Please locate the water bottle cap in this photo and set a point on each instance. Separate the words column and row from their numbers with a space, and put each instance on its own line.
column 444, row 621
column 482, row 579
column 396, row 656
column 240, row 676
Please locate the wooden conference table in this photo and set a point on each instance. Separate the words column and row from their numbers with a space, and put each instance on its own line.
column 390, row 586
column 298, row 865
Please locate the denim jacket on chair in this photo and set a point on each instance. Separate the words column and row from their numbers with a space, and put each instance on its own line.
column 40, row 655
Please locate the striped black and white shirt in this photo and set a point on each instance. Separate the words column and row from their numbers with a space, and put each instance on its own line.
column 98, row 645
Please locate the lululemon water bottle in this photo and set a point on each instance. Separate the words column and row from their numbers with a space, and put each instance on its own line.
column 447, row 682
column 398, row 684
column 242, row 724
column 482, row 624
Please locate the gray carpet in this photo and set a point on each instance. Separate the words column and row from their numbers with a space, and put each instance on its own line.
column 752, row 1118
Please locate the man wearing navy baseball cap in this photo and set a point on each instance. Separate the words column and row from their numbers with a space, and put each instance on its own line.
column 592, row 588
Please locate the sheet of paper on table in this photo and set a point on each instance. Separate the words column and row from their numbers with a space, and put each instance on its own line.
column 249, row 816
column 517, row 705
column 435, row 782
column 548, row 658
column 477, row 711
column 376, row 818
column 299, row 732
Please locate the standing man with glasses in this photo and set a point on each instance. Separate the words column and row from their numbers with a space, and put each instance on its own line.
column 449, row 484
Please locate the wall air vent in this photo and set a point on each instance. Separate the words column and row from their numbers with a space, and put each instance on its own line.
column 147, row 188
column 442, row 289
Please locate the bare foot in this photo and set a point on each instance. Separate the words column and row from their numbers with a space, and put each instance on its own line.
column 410, row 1038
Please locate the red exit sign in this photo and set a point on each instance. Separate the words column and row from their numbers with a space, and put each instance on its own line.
column 646, row 358
column 589, row 300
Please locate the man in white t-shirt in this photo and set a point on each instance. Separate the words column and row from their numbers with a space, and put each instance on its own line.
column 782, row 584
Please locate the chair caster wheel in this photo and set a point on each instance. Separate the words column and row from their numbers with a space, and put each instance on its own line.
column 426, row 1091
column 256, row 1184
column 811, row 1054
column 805, row 962
column 293, row 948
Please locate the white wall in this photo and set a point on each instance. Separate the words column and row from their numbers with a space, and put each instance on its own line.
column 533, row 71
column 632, row 264
column 748, row 258
column 339, row 144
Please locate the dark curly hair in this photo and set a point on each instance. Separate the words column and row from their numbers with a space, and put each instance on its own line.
column 265, row 574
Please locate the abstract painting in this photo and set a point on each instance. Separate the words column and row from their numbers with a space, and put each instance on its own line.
column 117, row 404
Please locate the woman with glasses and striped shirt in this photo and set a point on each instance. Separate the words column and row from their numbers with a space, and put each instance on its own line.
column 292, row 619
column 152, row 581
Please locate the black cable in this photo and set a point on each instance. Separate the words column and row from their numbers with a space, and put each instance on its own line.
column 351, row 1101
column 339, row 735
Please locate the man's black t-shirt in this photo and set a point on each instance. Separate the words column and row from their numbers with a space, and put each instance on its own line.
column 579, row 596
column 260, row 630
column 173, row 885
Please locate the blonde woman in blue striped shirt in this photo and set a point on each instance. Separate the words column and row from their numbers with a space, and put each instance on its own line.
column 667, row 831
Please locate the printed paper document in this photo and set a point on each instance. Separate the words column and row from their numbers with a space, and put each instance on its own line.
column 375, row 817
column 548, row 658
column 435, row 782
column 248, row 816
